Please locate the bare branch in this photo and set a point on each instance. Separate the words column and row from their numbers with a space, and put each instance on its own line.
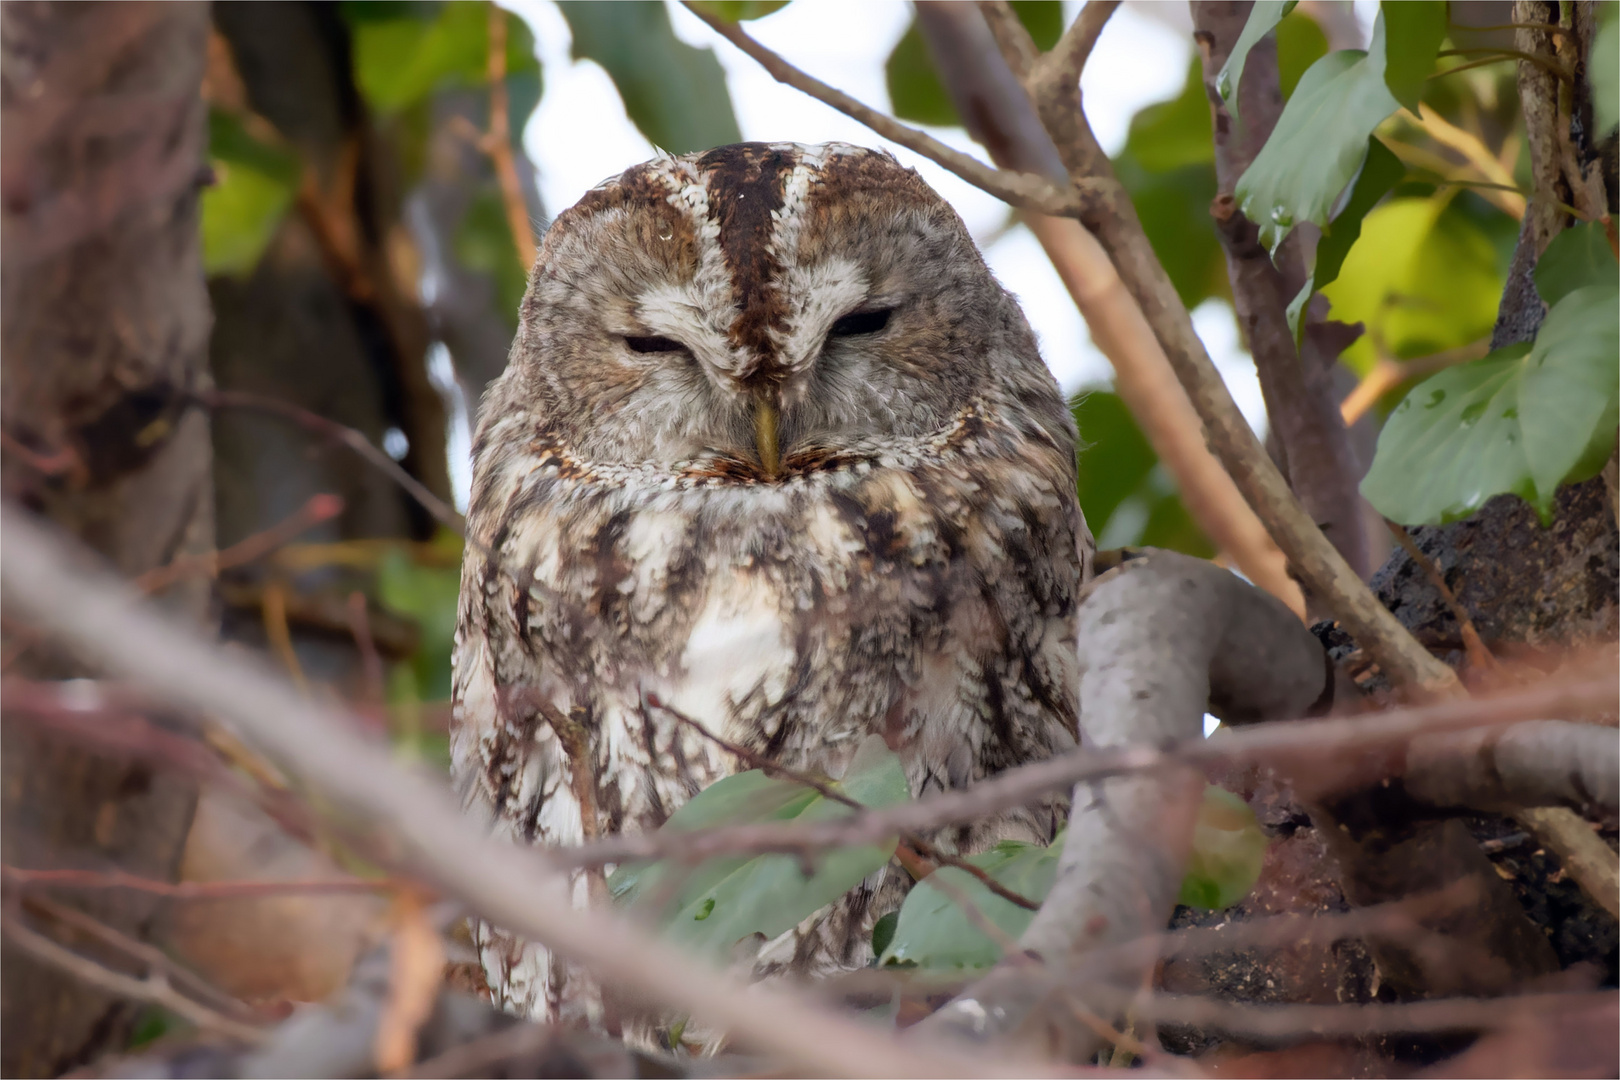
column 497, row 143
column 319, row 508
column 186, row 890
column 1018, row 189
column 1111, row 217
column 1582, row 853
column 1067, row 61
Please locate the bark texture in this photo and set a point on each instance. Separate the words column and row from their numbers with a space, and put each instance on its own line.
column 104, row 330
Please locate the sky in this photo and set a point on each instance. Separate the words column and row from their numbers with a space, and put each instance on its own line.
column 580, row 135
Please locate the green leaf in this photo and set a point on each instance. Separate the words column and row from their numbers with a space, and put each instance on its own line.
column 1168, row 170
column 1577, row 257
column 1128, row 497
column 1380, row 171
column 725, row 900
column 883, row 932
column 1319, row 141
column 254, row 185
column 404, row 52
column 1263, row 17
column 1415, row 30
column 1522, row 420
column 1423, row 278
column 428, row 595
column 483, row 242
column 915, row 92
column 1603, row 69
column 933, row 931
column 739, row 10
column 674, row 93
column 1174, row 133
column 1228, row 851
column 1300, row 43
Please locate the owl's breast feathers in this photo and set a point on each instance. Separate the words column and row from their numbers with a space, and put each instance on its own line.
column 923, row 590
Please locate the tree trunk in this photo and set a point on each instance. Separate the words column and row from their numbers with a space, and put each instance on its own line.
column 104, row 333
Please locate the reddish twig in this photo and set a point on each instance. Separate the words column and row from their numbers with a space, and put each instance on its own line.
column 497, row 143
column 1478, row 655
column 319, row 508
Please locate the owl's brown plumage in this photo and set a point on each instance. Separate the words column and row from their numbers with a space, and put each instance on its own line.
column 773, row 446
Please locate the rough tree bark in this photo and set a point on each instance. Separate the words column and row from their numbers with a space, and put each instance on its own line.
column 104, row 329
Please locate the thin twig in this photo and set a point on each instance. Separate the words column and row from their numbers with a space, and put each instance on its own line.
column 1348, row 1021
column 498, row 143
column 1387, row 374
column 1478, row 655
column 152, row 957
column 1469, row 145
column 1022, row 190
column 279, row 633
column 1281, row 740
column 320, row 426
column 319, row 508
column 1067, row 60
column 918, row 844
column 154, row 988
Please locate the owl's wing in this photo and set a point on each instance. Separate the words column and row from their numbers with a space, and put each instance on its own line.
column 513, row 773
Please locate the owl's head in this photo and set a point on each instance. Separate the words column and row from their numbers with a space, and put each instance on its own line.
column 761, row 302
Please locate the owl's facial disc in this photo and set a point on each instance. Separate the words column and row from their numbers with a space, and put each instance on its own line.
column 758, row 302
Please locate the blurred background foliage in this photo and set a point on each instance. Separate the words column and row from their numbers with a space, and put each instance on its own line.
column 1424, row 279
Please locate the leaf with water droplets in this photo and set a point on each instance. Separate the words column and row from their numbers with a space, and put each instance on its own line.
column 1524, row 420
column 1319, row 143
column 1263, row 18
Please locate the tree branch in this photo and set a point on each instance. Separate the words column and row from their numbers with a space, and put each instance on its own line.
column 1161, row 638
column 1018, row 189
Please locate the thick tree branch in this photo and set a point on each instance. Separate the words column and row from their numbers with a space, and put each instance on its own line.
column 1540, row 763
column 1162, row 637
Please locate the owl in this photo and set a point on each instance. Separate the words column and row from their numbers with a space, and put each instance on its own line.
column 774, row 449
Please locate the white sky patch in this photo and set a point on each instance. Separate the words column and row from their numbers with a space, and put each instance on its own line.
column 579, row 135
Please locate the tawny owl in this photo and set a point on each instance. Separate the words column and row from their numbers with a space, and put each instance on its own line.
column 772, row 447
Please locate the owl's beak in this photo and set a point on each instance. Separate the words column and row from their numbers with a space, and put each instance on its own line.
column 766, row 435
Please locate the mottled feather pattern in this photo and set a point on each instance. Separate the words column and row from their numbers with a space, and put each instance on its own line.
column 909, row 567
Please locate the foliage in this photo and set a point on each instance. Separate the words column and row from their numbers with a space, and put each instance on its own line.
column 724, row 900
column 1228, row 850
column 1127, row 496
column 1422, row 278
column 254, row 184
column 675, row 94
column 1380, row 171
column 1524, row 419
column 932, row 931
column 405, row 52
column 1604, row 70
column 915, row 92
column 739, row 10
